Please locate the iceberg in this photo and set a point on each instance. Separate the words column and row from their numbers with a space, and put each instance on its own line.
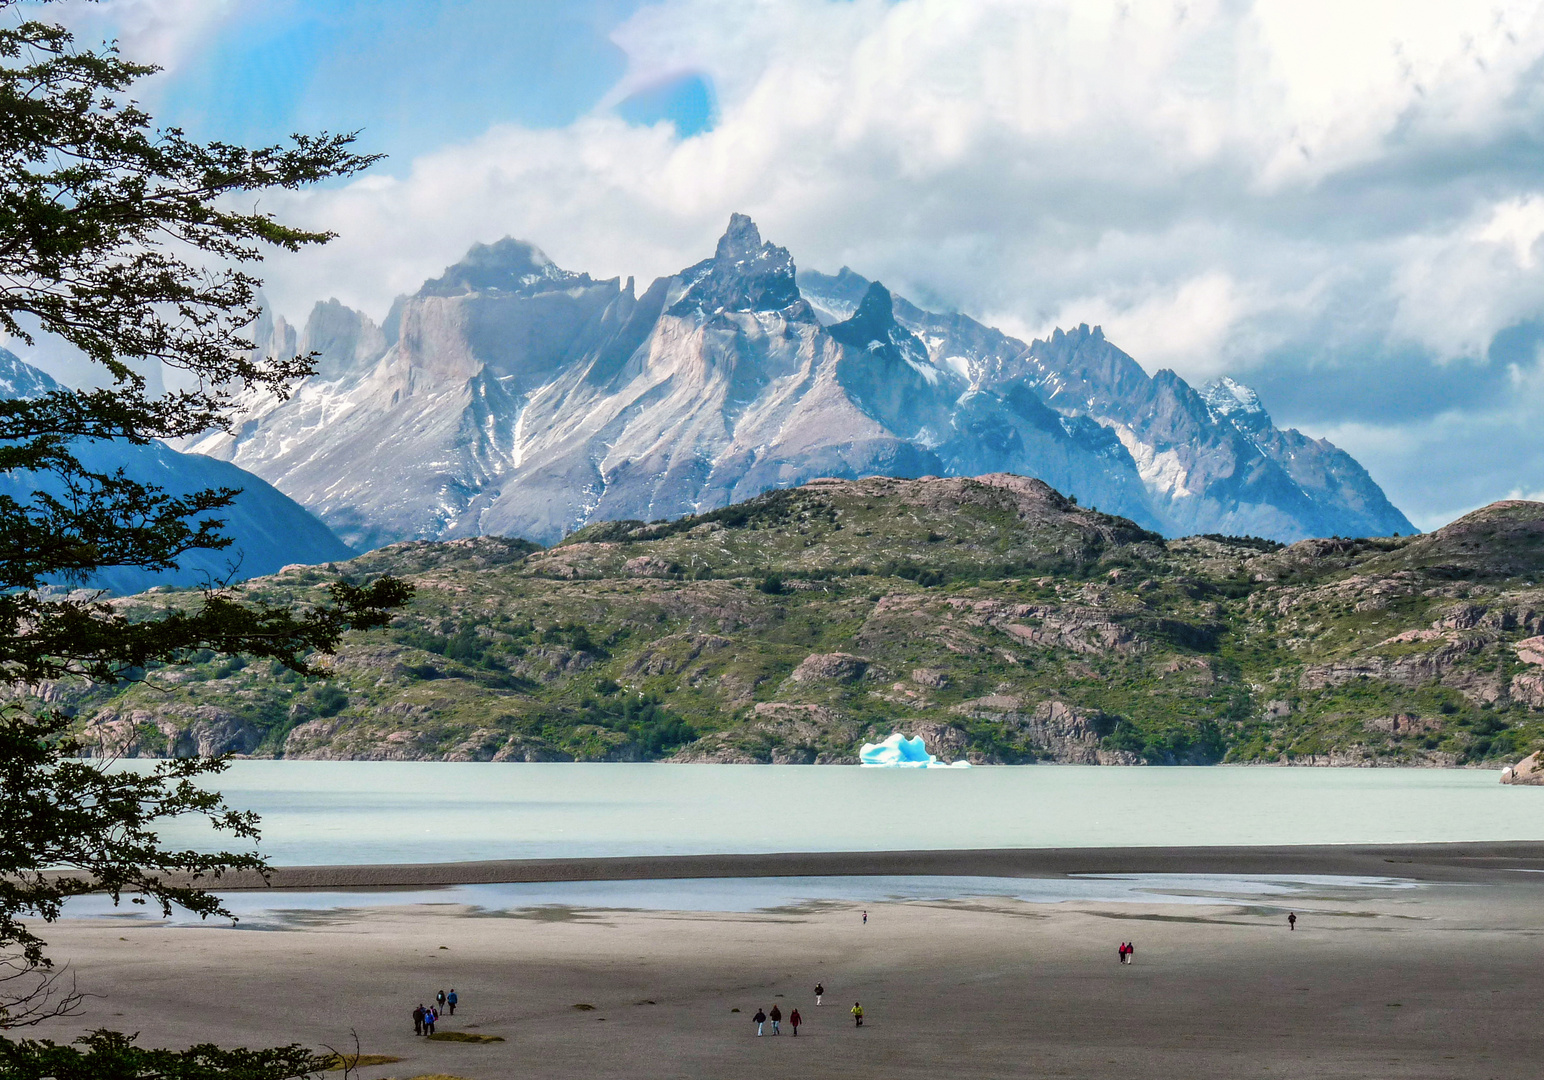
column 899, row 752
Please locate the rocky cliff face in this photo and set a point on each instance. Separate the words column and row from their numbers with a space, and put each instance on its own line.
column 510, row 396
column 268, row 529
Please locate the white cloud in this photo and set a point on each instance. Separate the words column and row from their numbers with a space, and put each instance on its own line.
column 160, row 32
column 1458, row 289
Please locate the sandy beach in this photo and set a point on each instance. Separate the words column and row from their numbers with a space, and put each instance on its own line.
column 1438, row 979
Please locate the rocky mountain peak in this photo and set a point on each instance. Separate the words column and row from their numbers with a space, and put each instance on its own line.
column 745, row 274
column 741, row 240
column 873, row 321
column 1236, row 402
column 1077, row 336
column 509, row 266
column 19, row 379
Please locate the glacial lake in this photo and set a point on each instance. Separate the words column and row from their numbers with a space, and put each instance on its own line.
column 341, row 812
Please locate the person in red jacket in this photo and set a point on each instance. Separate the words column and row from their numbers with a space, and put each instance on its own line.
column 793, row 1021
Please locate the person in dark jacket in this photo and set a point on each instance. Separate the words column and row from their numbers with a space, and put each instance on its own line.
column 777, row 1020
column 820, row 989
column 439, row 1001
column 451, row 999
column 418, row 1020
column 759, row 1019
column 794, row 1019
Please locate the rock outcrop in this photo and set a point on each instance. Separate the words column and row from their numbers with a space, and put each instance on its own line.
column 1529, row 771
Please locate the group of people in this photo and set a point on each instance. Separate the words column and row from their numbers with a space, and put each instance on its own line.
column 426, row 1016
column 775, row 1017
column 1126, row 950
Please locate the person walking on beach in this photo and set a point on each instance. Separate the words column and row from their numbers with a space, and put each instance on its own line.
column 857, row 1014
column 794, row 1020
column 760, row 1018
column 820, row 989
column 1291, row 920
column 777, row 1020
column 429, row 1018
column 418, row 1020
column 1131, row 951
column 439, row 1001
column 450, row 999
column 865, row 918
column 1121, row 952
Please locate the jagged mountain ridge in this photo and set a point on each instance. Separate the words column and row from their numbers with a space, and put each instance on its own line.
column 1211, row 460
column 513, row 397
column 268, row 529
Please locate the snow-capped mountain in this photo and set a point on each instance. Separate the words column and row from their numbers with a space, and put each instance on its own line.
column 269, row 530
column 510, row 396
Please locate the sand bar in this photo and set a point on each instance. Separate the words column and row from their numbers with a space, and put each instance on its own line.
column 1422, row 862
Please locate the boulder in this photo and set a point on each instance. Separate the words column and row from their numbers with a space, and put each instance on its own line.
column 830, row 667
column 1531, row 650
column 1529, row 771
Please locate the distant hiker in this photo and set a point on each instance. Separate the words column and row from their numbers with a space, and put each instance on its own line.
column 857, row 1014
column 759, row 1019
column 418, row 1020
column 794, row 1020
column 1291, row 920
column 439, row 999
column 450, row 999
column 820, row 989
column 865, row 918
column 1131, row 951
column 429, row 1018
column 777, row 1020
column 1120, row 952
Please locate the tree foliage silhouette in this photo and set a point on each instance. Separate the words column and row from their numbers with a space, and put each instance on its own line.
column 136, row 246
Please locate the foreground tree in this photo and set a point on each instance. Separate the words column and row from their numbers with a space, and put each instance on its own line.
column 128, row 243
column 107, row 1055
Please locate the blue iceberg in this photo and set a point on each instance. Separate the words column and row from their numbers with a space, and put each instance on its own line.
column 899, row 752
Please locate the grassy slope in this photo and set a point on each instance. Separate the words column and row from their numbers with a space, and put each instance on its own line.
column 1001, row 620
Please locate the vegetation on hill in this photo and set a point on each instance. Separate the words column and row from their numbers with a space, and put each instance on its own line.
column 993, row 616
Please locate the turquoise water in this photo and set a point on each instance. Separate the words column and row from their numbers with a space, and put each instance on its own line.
column 331, row 812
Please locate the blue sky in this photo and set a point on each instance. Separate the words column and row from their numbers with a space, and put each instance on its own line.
column 1341, row 205
column 411, row 75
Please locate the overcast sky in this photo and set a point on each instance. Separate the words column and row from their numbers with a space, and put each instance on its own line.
column 1340, row 204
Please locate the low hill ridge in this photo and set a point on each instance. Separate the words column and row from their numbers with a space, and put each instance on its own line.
column 992, row 615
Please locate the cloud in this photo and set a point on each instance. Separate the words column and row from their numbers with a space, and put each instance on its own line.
column 1458, row 290
column 160, row 32
column 1340, row 197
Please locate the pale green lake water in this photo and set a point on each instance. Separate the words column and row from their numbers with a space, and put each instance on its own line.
column 317, row 812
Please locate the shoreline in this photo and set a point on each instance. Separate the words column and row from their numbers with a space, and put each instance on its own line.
column 1439, row 862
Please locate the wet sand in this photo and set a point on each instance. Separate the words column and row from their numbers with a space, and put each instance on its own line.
column 1443, row 980
column 1426, row 862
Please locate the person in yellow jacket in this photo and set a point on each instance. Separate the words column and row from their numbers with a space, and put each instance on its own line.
column 857, row 1014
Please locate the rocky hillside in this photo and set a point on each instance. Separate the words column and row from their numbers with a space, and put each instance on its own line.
column 997, row 618
column 511, row 397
